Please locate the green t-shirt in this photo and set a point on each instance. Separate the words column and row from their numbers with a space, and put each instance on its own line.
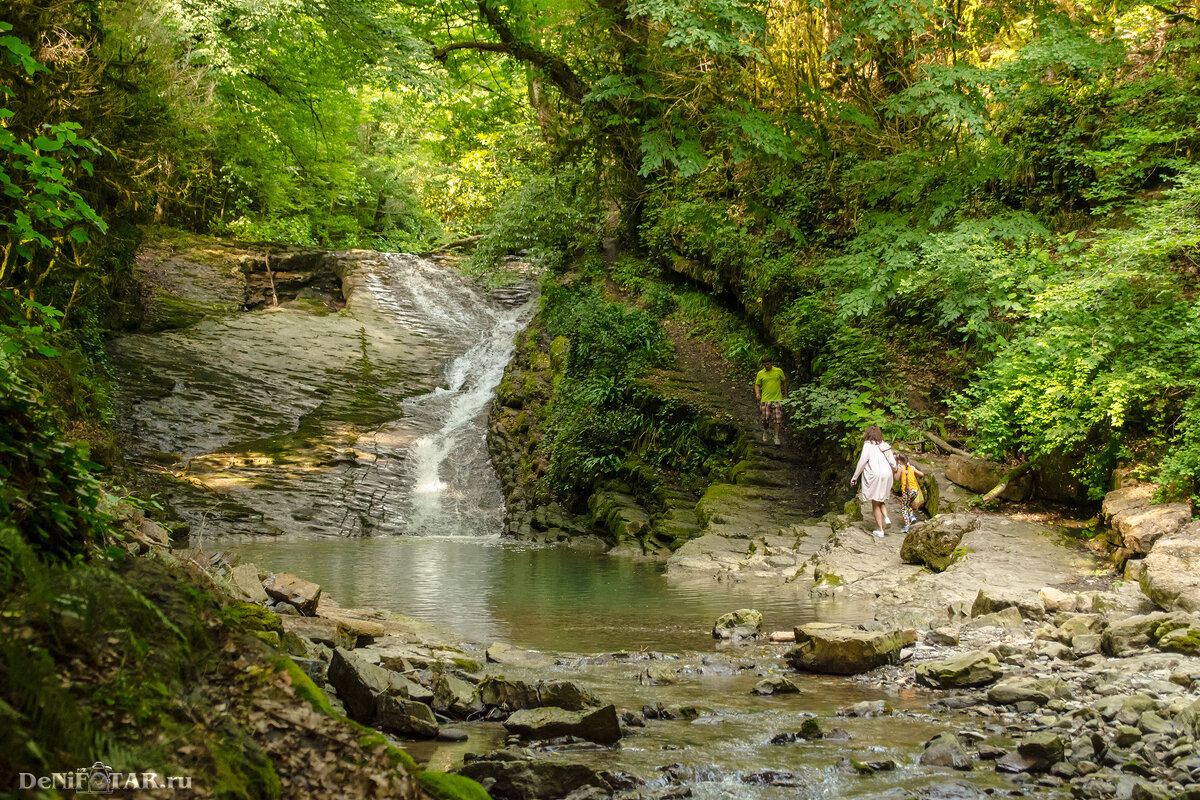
column 771, row 383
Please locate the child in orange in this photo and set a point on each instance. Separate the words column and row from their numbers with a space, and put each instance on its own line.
column 911, row 497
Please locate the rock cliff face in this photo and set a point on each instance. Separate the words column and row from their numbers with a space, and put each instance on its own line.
column 188, row 278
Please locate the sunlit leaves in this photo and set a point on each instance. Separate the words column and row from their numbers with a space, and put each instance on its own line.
column 1112, row 348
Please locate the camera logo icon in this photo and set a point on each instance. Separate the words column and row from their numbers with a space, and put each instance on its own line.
column 99, row 780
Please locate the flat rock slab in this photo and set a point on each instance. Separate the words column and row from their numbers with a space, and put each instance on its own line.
column 1002, row 554
column 842, row 650
column 507, row 655
column 774, row 558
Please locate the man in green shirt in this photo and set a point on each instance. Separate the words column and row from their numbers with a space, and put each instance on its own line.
column 771, row 388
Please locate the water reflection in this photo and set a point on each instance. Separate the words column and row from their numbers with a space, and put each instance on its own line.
column 544, row 598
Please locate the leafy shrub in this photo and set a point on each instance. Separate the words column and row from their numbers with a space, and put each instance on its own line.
column 1109, row 352
column 553, row 216
column 47, row 490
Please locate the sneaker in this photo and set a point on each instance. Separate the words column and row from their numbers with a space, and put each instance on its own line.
column 877, row 534
column 904, row 529
column 886, row 522
column 776, row 440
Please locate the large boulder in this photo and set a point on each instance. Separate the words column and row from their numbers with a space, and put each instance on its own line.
column 406, row 717
column 364, row 631
column 600, row 726
column 1171, row 573
column 564, row 694
column 1131, row 634
column 318, row 629
column 287, row 588
column 945, row 750
column 934, row 543
column 745, row 623
column 507, row 695
column 977, row 668
column 1054, row 480
column 1127, row 498
column 509, row 778
column 454, row 696
column 1138, row 522
column 842, row 650
column 1182, row 640
column 980, row 476
column 1035, row 690
column 361, row 686
column 1037, row 753
column 245, row 581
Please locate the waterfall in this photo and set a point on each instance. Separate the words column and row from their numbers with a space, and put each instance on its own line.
column 367, row 422
column 448, row 478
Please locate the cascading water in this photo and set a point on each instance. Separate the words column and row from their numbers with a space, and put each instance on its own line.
column 443, row 488
column 366, row 422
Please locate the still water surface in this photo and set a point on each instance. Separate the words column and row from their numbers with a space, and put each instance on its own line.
column 553, row 599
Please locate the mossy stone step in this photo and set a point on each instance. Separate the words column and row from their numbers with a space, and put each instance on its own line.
column 764, row 477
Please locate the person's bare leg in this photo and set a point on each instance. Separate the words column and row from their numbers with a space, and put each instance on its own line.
column 878, row 512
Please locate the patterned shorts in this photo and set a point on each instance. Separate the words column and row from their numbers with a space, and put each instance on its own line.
column 770, row 413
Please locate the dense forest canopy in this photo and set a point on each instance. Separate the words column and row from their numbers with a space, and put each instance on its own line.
column 981, row 214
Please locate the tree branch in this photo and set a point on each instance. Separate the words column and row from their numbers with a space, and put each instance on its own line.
column 556, row 69
column 490, row 47
column 1012, row 475
column 946, row 446
column 1174, row 15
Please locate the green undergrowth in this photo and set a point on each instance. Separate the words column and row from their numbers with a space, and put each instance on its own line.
column 602, row 418
column 139, row 663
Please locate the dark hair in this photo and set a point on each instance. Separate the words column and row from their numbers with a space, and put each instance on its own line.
column 767, row 360
column 873, row 434
column 901, row 459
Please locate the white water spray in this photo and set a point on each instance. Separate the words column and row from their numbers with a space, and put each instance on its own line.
column 447, row 494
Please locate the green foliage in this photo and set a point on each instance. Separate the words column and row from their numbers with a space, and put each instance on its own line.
column 1111, row 353
column 736, row 341
column 47, row 489
column 40, row 206
column 555, row 217
column 605, row 420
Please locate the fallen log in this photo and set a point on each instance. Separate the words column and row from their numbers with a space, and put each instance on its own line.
column 945, row 446
column 458, row 244
column 1009, row 477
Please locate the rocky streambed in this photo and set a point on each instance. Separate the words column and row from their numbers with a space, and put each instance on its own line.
column 1013, row 696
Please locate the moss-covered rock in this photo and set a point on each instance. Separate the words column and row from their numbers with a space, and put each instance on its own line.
column 977, row 668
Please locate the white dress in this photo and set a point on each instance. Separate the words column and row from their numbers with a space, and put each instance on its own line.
column 875, row 465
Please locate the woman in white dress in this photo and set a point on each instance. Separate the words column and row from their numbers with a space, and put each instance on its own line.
column 877, row 466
